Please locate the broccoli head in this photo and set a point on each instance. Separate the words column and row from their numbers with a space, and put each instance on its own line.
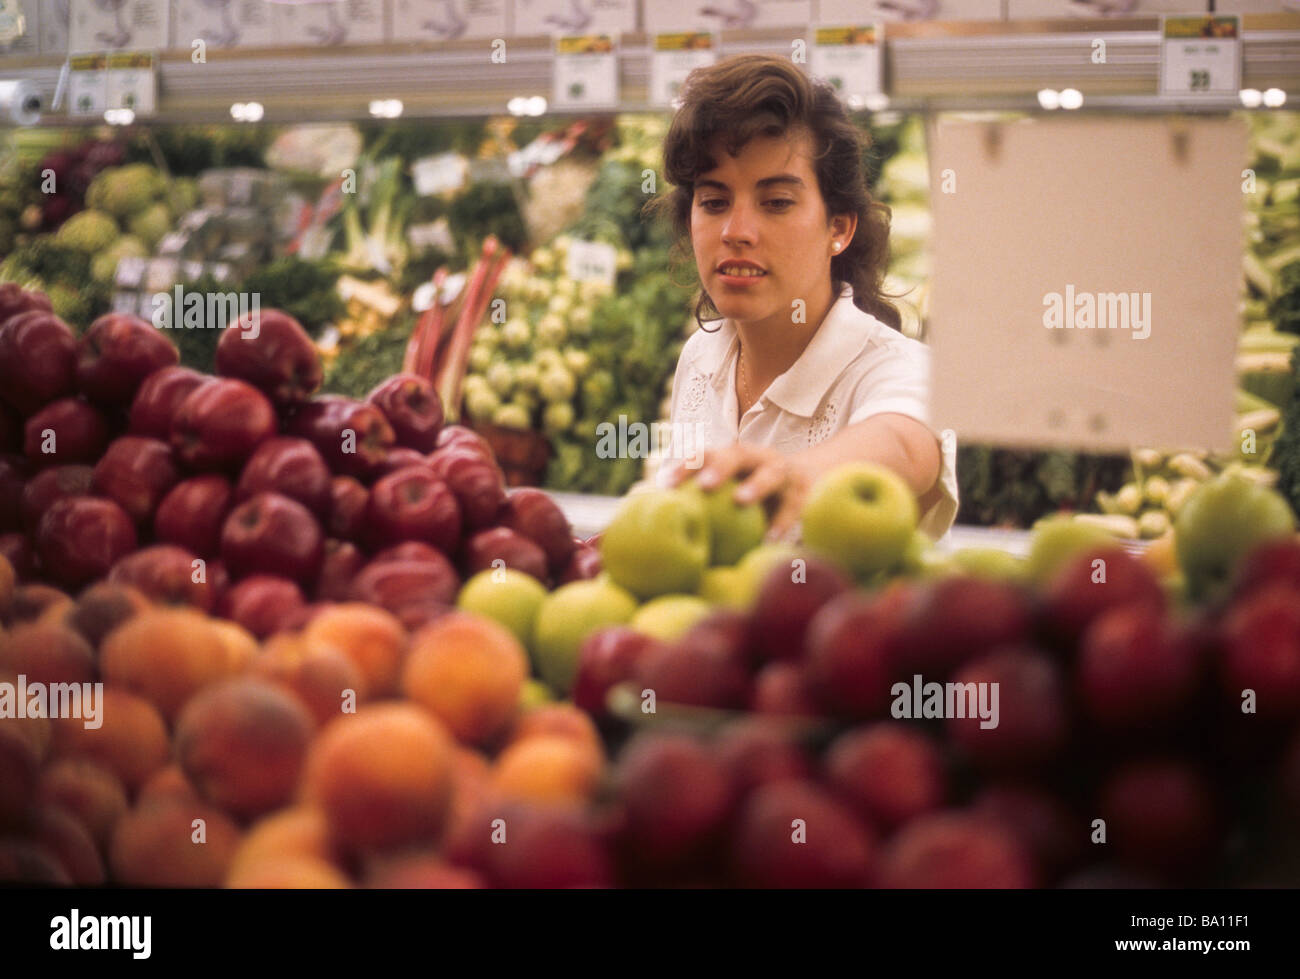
column 123, row 191
column 87, row 232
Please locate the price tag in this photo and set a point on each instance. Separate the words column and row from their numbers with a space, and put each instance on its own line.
column 674, row 57
column 444, row 173
column 848, row 58
column 132, row 82
column 592, row 261
column 1200, row 55
column 586, row 72
column 87, row 84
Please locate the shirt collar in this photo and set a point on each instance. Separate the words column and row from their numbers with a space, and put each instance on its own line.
column 841, row 337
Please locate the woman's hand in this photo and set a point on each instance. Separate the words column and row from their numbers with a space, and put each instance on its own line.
column 769, row 476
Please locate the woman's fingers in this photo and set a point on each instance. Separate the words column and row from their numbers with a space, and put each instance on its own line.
column 787, row 517
column 772, row 476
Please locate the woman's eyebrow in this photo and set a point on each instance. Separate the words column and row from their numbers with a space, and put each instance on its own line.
column 781, row 178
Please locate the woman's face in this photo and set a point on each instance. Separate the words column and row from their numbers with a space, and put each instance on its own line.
column 763, row 209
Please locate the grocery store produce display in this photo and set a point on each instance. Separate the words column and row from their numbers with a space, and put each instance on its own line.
column 317, row 621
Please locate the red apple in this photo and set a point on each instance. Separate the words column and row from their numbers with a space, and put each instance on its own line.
column 291, row 467
column 413, row 504
column 116, row 354
column 949, row 850
column 888, row 772
column 263, row 604
column 852, row 652
column 705, row 668
column 476, row 481
column 414, row 591
column 1092, row 583
column 399, row 458
column 272, row 534
column 343, row 561
column 1274, row 562
column 787, row 601
column 953, row 620
column 167, row 574
column 413, row 407
column 535, row 515
column 781, row 689
column 220, row 423
column 502, row 543
column 1135, row 668
column 1161, row 815
column 411, row 550
column 353, row 437
column 349, row 500
column 81, row 537
column 66, row 431
column 38, row 360
column 137, row 473
column 547, row 847
column 1261, row 652
column 11, row 430
column 676, row 797
column 271, row 351
column 158, row 398
column 193, row 513
column 584, row 564
column 49, row 485
column 17, row 549
column 608, row 657
column 794, row 834
column 459, row 435
column 15, row 471
column 14, row 299
column 1032, row 720
column 1039, row 820
column 756, row 752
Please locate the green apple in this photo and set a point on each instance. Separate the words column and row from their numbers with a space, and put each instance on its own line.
column 988, row 562
column 862, row 516
column 1222, row 521
column 734, row 530
column 566, row 617
column 657, row 543
column 1058, row 538
column 916, row 558
column 534, row 693
column 508, row 596
column 670, row 617
column 756, row 565
column 731, row 588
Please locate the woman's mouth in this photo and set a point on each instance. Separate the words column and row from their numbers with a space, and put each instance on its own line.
column 741, row 273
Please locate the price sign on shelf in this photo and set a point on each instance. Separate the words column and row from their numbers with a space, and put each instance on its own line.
column 675, row 56
column 848, row 58
column 592, row 261
column 586, row 72
column 132, row 82
column 1200, row 55
column 87, row 84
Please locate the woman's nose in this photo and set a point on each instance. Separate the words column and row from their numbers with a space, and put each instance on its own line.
column 739, row 226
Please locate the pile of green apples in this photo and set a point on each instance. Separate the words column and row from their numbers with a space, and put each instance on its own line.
column 527, row 368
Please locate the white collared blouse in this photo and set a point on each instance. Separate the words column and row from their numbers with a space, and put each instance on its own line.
column 854, row 367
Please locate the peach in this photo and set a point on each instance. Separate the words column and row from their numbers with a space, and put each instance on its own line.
column 559, row 719
column 32, row 602
column 371, row 637
column 421, row 871
column 64, row 835
column 242, row 743
column 467, row 671
column 166, row 655
column 168, row 784
column 88, row 790
column 320, row 677
column 548, row 768
column 382, row 775
column 101, row 608
column 170, row 843
column 300, row 833
column 131, row 742
column 47, row 653
column 240, row 645
column 289, row 873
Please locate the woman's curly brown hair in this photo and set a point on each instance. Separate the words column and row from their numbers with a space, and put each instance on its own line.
column 749, row 95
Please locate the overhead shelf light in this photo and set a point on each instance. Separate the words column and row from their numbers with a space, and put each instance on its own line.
column 386, row 108
column 1049, row 98
column 1274, row 98
column 119, row 117
column 1251, row 98
column 247, row 111
column 1071, row 98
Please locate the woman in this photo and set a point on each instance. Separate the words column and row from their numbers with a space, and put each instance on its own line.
column 806, row 369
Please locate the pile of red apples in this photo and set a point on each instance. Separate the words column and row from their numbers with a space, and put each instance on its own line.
column 245, row 494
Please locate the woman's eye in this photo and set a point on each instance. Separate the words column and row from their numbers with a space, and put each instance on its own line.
column 781, row 203
column 709, row 205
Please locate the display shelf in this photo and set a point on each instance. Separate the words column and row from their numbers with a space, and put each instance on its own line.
column 935, row 65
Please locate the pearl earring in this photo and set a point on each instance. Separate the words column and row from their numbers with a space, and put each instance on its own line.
column 836, row 246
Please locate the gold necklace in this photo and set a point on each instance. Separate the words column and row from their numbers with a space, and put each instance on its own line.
column 744, row 383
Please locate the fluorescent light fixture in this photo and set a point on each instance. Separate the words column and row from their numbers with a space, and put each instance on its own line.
column 1251, row 98
column 1071, row 98
column 1049, row 98
column 1274, row 98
